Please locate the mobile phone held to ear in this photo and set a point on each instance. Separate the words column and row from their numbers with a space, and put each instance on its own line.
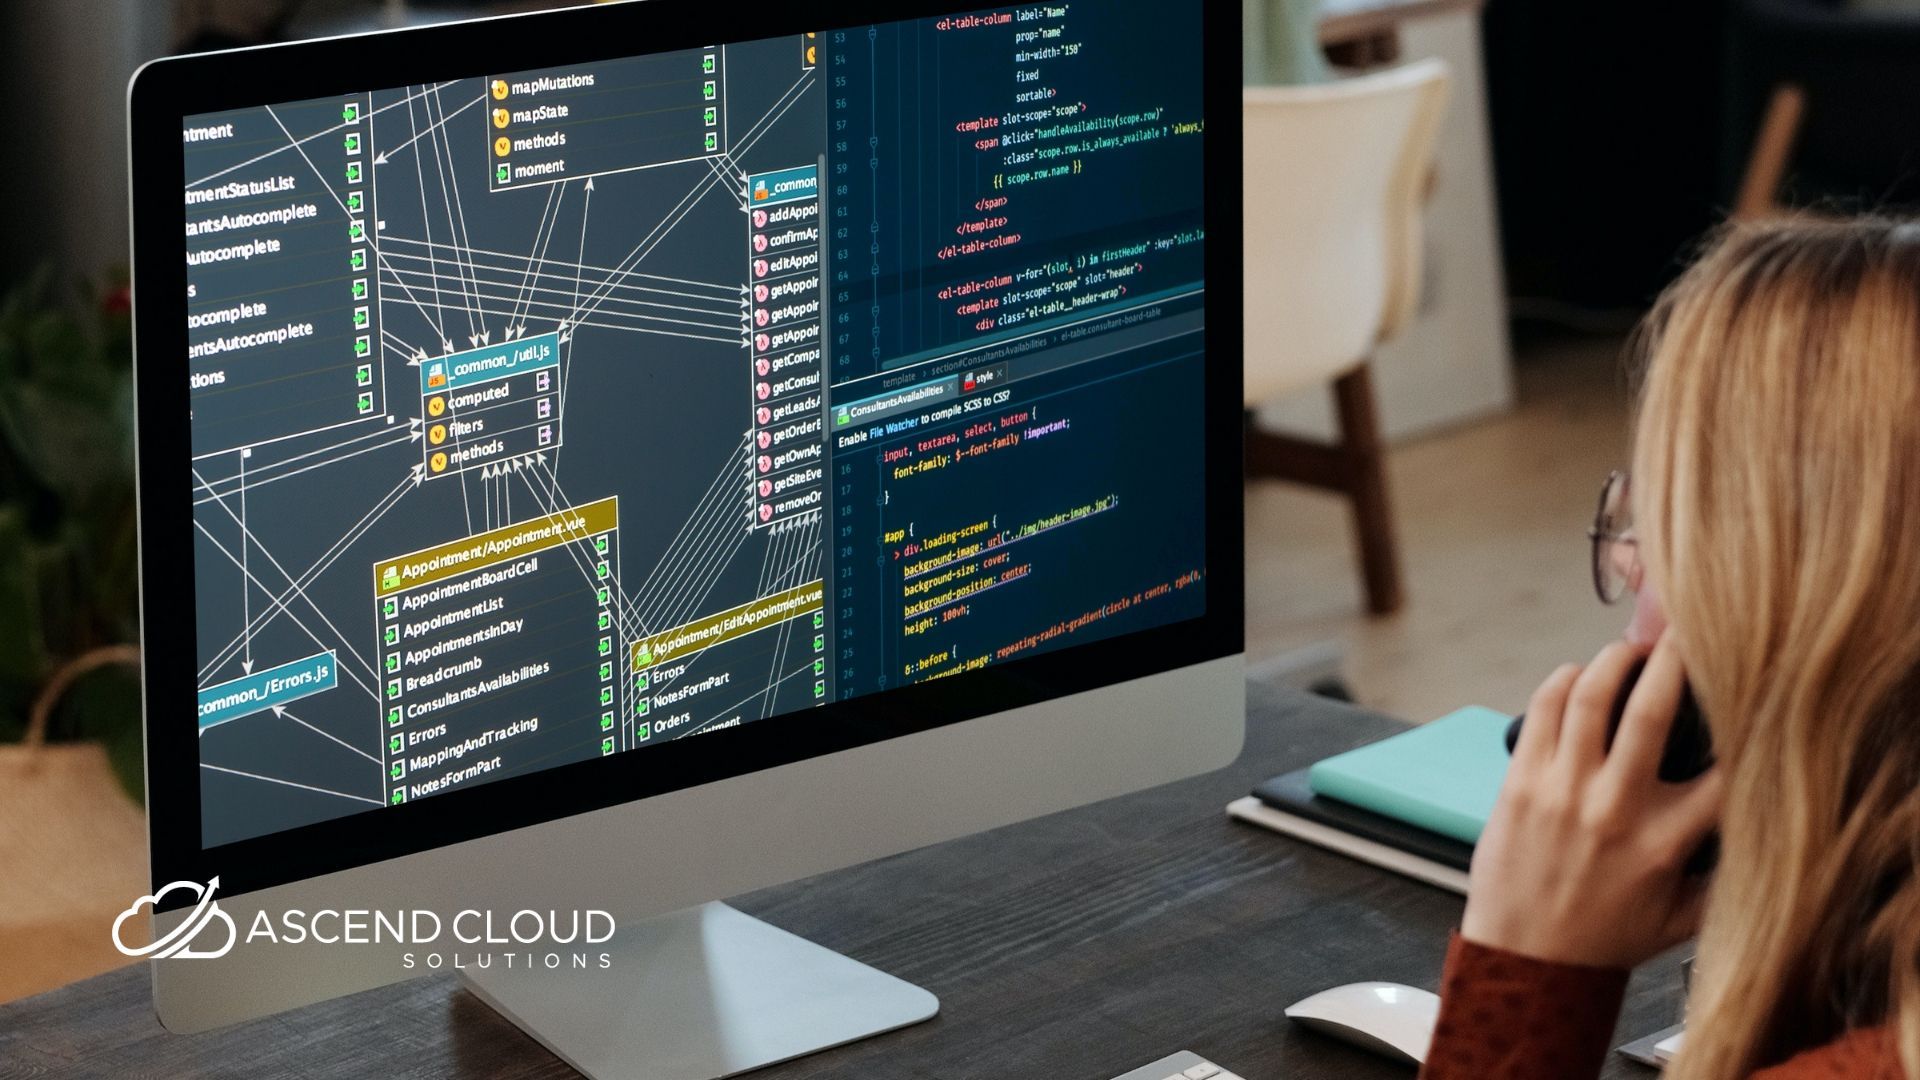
column 1689, row 748
column 1689, row 751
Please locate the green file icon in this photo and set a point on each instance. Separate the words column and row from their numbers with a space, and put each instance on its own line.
column 396, row 744
column 606, row 747
column 606, row 721
column 399, row 796
column 643, row 733
column 393, row 716
column 398, row 771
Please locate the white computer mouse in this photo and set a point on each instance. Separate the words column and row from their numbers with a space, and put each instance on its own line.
column 1391, row 1020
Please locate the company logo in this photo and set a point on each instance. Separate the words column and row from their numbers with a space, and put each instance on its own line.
column 176, row 943
column 533, row 939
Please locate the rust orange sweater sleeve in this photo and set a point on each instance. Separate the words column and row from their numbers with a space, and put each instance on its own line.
column 1509, row 1017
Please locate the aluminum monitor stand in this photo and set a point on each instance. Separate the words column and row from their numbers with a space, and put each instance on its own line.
column 700, row 994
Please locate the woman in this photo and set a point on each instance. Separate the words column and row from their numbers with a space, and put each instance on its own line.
column 1776, row 556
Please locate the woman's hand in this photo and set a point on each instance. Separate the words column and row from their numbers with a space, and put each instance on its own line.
column 1582, row 861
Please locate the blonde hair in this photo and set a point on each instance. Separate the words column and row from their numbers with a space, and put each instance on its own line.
column 1777, row 497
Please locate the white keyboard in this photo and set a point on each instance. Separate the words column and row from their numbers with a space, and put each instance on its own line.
column 1185, row 1065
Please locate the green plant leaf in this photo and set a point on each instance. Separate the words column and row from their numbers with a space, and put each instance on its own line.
column 57, row 349
column 23, row 653
column 112, row 577
column 71, row 444
column 66, row 623
column 67, row 564
column 104, row 707
column 126, row 752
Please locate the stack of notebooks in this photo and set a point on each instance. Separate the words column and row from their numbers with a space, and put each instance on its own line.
column 1414, row 803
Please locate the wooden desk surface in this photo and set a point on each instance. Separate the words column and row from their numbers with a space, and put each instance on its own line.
column 1075, row 947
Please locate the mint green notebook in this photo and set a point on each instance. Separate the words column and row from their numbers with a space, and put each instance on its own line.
column 1441, row 776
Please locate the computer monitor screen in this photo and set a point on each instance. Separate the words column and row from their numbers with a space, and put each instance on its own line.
column 561, row 411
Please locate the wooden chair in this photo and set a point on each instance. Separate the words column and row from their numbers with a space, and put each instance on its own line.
column 1828, row 90
column 1766, row 172
column 1336, row 177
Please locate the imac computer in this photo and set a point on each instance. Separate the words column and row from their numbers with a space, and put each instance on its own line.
column 597, row 462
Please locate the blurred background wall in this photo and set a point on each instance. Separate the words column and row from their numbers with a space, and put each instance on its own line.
column 1607, row 142
column 64, row 68
column 1612, row 125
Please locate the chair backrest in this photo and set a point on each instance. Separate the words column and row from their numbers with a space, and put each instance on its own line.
column 1335, row 180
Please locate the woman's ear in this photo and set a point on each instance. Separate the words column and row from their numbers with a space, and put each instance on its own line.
column 1649, row 617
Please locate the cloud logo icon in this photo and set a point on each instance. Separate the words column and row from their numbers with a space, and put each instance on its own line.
column 176, row 943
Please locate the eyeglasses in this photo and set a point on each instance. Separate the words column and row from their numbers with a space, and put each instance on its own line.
column 1616, row 553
